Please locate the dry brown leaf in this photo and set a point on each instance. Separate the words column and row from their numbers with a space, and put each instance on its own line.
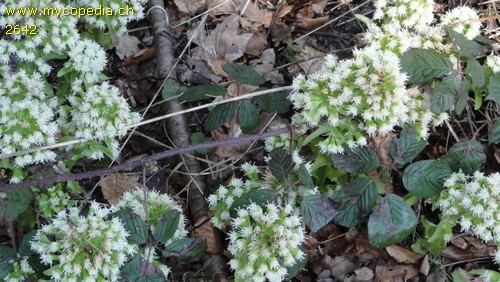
column 460, row 242
column 312, row 59
column 319, row 6
column 235, row 89
column 264, row 66
column 385, row 273
column 361, row 275
column 196, row 70
column 190, row 6
column 115, row 185
column 425, row 266
column 340, row 266
column 284, row 10
column 403, row 255
column 207, row 233
column 143, row 55
column 216, row 66
column 312, row 23
column 252, row 12
column 226, row 41
column 126, row 45
column 457, row 254
column 228, row 151
column 257, row 43
column 367, row 250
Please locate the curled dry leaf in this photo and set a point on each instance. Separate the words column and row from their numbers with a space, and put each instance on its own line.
column 264, row 65
column 206, row 232
column 115, row 185
column 403, row 255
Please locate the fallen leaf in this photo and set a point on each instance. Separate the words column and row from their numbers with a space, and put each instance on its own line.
column 257, row 43
column 191, row 6
column 403, row 255
column 284, row 10
column 141, row 56
column 311, row 23
column 126, row 45
column 340, row 266
column 223, row 152
column 311, row 59
column 457, row 254
column 385, row 273
column 115, row 185
column 361, row 275
column 425, row 266
column 226, row 41
column 264, row 65
column 207, row 233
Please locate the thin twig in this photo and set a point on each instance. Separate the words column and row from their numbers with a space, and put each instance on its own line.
column 135, row 163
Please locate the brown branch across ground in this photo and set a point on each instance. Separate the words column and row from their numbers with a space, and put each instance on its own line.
column 135, row 163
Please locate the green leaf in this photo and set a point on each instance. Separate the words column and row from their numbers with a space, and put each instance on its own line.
column 202, row 92
column 219, row 115
column 293, row 270
column 494, row 276
column 465, row 155
column 131, row 271
column 171, row 88
column 422, row 65
column 25, row 247
column 248, row 116
column 281, row 163
column 276, row 102
column 305, row 177
column 187, row 249
column 18, row 201
column 464, row 46
column 462, row 99
column 407, row 146
column 391, row 223
column 494, row 89
column 7, row 256
column 260, row 197
column 357, row 160
column 476, row 72
column 494, row 137
column 243, row 74
column 317, row 211
column 358, row 197
column 322, row 129
column 442, row 95
column 166, row 227
column 458, row 277
column 426, row 178
column 135, row 226
column 199, row 138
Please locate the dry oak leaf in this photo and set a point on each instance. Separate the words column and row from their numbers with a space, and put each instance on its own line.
column 207, row 233
column 115, row 185
column 403, row 255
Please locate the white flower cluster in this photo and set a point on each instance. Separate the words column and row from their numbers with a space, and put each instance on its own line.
column 413, row 14
column 22, row 272
column 463, row 20
column 158, row 205
column 48, row 35
column 26, row 117
column 54, row 200
column 222, row 200
column 88, row 59
column 493, row 62
column 289, row 195
column 116, row 23
column 473, row 201
column 83, row 248
column 357, row 97
column 101, row 114
column 264, row 242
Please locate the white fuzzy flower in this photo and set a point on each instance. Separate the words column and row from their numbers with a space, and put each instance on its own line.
column 464, row 20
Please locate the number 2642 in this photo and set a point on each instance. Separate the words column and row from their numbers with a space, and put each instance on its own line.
column 18, row 29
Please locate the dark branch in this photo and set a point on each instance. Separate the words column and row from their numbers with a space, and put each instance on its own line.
column 136, row 163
